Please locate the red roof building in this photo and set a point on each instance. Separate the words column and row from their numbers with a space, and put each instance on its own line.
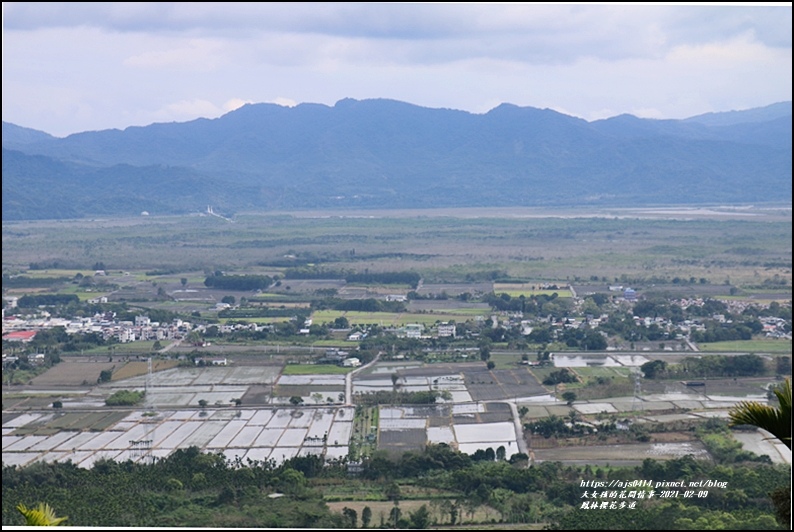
column 20, row 336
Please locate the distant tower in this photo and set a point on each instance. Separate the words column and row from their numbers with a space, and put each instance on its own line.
column 636, row 403
column 148, row 382
column 142, row 449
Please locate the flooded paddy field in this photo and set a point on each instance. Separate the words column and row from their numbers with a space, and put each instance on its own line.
column 621, row 454
column 493, row 385
column 762, row 442
column 466, row 427
column 277, row 434
column 479, row 412
column 606, row 361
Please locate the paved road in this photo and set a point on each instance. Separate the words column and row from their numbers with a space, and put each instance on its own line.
column 522, row 444
column 170, row 346
column 349, row 380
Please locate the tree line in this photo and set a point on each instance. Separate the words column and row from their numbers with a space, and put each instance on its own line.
column 191, row 488
column 238, row 282
column 366, row 277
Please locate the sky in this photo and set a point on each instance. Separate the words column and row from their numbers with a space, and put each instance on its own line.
column 72, row 67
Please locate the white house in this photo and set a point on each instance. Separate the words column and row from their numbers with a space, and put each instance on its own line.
column 446, row 330
column 411, row 330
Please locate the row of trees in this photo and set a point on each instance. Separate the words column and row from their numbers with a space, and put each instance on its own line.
column 710, row 366
column 402, row 278
column 33, row 301
column 190, row 488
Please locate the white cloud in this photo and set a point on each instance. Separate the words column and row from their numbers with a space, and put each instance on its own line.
column 187, row 110
column 742, row 49
column 235, row 103
column 284, row 102
column 195, row 54
column 645, row 112
column 76, row 66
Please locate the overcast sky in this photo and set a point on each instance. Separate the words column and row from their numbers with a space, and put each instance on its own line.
column 70, row 67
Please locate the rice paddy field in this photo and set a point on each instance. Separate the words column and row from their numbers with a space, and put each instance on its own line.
column 187, row 406
column 275, row 434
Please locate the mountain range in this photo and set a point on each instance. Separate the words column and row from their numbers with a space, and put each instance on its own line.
column 388, row 154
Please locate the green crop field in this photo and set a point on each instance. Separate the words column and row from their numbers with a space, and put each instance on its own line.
column 356, row 317
column 139, row 347
column 56, row 273
column 81, row 293
column 254, row 320
column 391, row 319
column 602, row 371
column 528, row 293
column 335, row 343
column 749, row 346
column 531, row 289
column 506, row 361
column 314, row 369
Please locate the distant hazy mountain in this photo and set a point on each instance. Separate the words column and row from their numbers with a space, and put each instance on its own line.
column 384, row 153
column 15, row 136
column 729, row 118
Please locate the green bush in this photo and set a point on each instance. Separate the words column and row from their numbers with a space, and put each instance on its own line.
column 125, row 398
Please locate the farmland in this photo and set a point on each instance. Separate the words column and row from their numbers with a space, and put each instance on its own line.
column 234, row 372
column 393, row 319
column 476, row 415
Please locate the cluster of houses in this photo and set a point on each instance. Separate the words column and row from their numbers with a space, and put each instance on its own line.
column 774, row 327
column 340, row 358
column 23, row 329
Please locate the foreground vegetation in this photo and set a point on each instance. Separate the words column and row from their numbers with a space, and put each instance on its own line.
column 189, row 489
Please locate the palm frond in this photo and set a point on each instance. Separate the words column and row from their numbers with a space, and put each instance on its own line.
column 774, row 420
column 42, row 515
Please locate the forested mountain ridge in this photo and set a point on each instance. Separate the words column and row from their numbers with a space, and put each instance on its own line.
column 390, row 154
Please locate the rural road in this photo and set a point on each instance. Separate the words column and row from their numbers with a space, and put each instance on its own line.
column 349, row 380
column 522, row 444
column 170, row 346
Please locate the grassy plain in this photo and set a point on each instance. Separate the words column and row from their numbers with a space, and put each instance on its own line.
column 444, row 246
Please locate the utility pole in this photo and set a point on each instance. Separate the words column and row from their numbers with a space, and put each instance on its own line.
column 636, row 403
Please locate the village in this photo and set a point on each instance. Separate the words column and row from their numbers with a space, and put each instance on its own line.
column 471, row 355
